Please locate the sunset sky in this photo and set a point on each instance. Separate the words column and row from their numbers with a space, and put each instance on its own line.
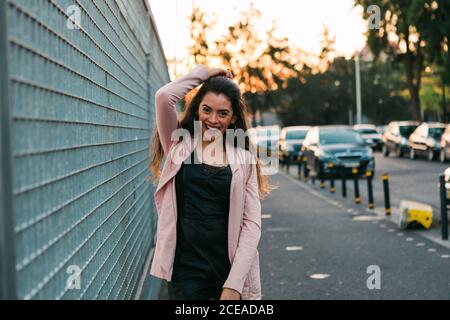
column 301, row 21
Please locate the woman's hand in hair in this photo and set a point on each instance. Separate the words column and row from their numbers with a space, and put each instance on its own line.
column 220, row 72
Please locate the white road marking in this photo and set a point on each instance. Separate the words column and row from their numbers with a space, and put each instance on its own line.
column 294, row 248
column 420, row 244
column 319, row 276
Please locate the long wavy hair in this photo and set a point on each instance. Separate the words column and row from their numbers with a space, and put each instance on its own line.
column 217, row 85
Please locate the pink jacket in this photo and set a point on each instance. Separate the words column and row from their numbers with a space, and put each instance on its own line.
column 244, row 225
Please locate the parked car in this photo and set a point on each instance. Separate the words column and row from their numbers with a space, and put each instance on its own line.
column 370, row 135
column 444, row 153
column 426, row 140
column 381, row 129
column 291, row 139
column 334, row 151
column 395, row 138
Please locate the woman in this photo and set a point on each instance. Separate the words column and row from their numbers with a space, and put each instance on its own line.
column 209, row 212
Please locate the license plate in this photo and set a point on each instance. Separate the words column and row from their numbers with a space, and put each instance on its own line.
column 351, row 164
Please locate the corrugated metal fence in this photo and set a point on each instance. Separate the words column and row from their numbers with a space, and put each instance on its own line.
column 80, row 119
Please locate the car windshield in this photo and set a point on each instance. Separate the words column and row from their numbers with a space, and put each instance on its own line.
column 367, row 131
column 406, row 131
column 337, row 137
column 436, row 132
column 297, row 134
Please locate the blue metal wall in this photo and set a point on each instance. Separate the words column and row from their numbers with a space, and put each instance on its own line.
column 81, row 113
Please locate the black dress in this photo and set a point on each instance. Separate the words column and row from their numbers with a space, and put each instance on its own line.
column 201, row 264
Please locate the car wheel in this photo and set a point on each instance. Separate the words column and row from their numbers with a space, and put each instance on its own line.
column 412, row 154
column 430, row 155
column 442, row 157
column 385, row 151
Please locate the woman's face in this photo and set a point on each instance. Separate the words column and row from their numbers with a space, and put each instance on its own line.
column 215, row 112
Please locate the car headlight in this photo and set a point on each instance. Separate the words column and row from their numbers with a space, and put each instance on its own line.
column 289, row 148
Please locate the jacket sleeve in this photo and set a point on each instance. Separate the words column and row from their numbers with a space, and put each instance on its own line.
column 249, row 235
column 166, row 99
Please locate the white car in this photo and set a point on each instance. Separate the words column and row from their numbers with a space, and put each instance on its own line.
column 370, row 135
column 291, row 139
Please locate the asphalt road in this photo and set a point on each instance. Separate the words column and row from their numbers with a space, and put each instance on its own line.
column 313, row 248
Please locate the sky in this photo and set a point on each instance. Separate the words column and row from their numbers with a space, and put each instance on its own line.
column 301, row 21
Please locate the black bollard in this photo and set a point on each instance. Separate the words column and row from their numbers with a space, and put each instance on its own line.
column 444, row 212
column 344, row 186
column 332, row 187
column 387, row 201
column 370, row 189
column 356, row 185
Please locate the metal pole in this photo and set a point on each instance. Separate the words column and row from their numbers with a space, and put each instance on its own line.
column 387, row 201
column 7, row 235
column 358, row 89
column 444, row 212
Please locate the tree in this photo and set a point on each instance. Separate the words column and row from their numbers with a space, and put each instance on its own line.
column 398, row 36
column 199, row 50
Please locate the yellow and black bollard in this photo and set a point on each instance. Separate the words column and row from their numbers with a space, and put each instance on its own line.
column 387, row 201
column 322, row 184
column 332, row 187
column 370, row 189
column 356, row 185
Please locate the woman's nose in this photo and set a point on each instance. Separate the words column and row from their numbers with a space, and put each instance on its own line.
column 213, row 118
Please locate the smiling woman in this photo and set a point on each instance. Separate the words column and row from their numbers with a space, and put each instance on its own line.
column 209, row 221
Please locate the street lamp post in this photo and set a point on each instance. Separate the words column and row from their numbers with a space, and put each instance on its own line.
column 358, row 89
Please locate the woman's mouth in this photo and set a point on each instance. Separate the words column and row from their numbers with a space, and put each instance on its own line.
column 211, row 127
